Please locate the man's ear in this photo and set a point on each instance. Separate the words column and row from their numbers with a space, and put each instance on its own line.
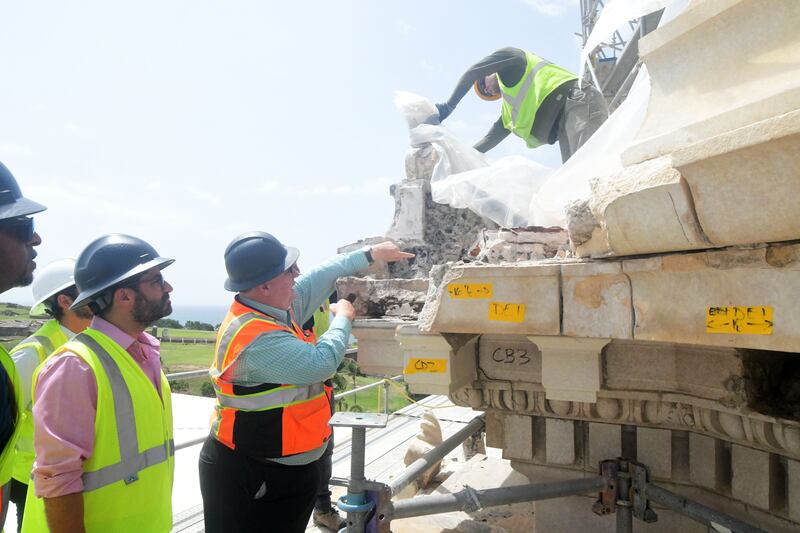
column 64, row 302
column 123, row 296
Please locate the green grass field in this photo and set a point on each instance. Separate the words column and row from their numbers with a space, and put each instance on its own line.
column 13, row 312
column 188, row 333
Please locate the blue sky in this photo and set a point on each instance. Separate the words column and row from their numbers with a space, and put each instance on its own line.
column 188, row 122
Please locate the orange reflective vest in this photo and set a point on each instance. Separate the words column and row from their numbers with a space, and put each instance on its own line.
column 268, row 420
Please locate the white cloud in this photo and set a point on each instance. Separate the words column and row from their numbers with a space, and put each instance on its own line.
column 269, row 186
column 16, row 149
column 403, row 27
column 424, row 65
column 378, row 186
column 551, row 8
column 201, row 194
column 78, row 131
column 38, row 108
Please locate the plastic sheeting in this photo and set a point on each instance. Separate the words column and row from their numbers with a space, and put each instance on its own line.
column 463, row 177
column 515, row 191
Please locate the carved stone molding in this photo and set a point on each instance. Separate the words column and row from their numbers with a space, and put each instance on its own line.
column 667, row 411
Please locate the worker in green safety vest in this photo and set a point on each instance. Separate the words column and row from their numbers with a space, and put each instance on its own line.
column 17, row 242
column 53, row 293
column 542, row 102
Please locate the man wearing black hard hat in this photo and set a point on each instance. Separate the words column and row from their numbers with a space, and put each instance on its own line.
column 260, row 467
column 102, row 407
column 17, row 240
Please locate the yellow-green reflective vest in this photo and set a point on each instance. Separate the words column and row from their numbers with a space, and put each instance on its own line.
column 127, row 482
column 46, row 339
column 322, row 319
column 7, row 454
column 522, row 101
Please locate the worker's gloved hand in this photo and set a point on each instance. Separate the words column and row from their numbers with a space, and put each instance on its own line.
column 444, row 110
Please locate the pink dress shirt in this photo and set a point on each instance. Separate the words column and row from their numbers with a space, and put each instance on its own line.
column 65, row 407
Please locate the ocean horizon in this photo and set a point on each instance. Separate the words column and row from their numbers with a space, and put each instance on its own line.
column 210, row 314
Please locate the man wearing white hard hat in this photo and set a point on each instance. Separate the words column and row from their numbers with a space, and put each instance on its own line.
column 54, row 292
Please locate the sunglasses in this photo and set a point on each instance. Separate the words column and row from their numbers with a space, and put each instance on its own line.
column 21, row 228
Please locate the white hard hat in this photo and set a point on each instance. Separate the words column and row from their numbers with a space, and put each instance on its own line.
column 50, row 280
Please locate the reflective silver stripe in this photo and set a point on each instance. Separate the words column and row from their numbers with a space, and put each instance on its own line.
column 516, row 101
column 131, row 461
column 119, row 471
column 46, row 343
column 271, row 399
column 230, row 331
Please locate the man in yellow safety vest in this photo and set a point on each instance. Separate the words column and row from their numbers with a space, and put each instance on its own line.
column 102, row 409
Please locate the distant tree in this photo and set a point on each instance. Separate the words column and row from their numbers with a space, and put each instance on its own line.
column 207, row 389
column 179, row 386
column 169, row 323
column 202, row 326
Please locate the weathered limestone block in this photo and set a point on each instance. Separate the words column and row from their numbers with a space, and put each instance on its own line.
column 707, row 464
column 654, row 448
column 503, row 245
column 718, row 66
column 378, row 351
column 510, row 357
column 605, row 442
column 518, row 431
column 793, row 489
column 644, row 208
column 536, row 287
column 408, row 223
column 751, row 472
column 596, row 301
column 571, row 369
column 560, row 441
column 378, row 298
column 700, row 371
column 420, row 161
column 672, row 295
column 431, row 364
column 745, row 183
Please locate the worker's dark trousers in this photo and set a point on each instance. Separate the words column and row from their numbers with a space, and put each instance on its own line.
column 584, row 112
column 241, row 494
column 323, row 502
column 19, row 492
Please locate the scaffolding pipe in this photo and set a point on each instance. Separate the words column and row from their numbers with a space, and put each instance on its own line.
column 191, row 374
column 471, row 500
column 421, row 465
column 696, row 511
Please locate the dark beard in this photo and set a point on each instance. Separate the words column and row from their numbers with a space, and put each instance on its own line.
column 147, row 313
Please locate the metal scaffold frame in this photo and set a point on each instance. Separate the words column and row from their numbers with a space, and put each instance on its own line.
column 618, row 56
column 624, row 488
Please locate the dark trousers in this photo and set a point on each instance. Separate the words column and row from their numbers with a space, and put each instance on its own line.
column 323, row 502
column 584, row 112
column 18, row 494
column 241, row 494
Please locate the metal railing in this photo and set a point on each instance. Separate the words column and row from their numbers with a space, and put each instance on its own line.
column 385, row 383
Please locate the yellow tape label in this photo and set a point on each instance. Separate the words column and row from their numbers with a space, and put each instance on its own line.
column 418, row 365
column 469, row 290
column 507, row 312
column 740, row 320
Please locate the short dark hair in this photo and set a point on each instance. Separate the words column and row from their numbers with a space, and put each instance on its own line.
column 51, row 305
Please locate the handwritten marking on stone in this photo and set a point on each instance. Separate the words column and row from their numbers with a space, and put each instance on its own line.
column 510, row 356
column 469, row 290
column 739, row 320
column 507, row 312
column 417, row 365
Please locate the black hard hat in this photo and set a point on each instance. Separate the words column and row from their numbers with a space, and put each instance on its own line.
column 256, row 257
column 109, row 260
column 12, row 203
